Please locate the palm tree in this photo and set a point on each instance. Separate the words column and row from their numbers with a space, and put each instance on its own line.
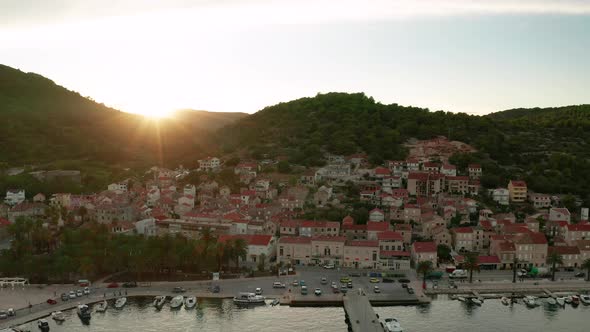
column 424, row 267
column 554, row 258
column 471, row 263
column 207, row 238
column 586, row 265
column 261, row 262
column 514, row 263
column 240, row 250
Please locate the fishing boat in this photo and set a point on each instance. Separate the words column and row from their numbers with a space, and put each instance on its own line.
column 102, row 306
column 505, row 300
column 120, row 303
column 560, row 301
column 249, row 298
column 551, row 301
column 393, row 325
column 476, row 301
column 530, row 301
column 190, row 302
column 83, row 312
column 58, row 316
column 43, row 325
column 575, row 301
column 159, row 302
column 275, row 302
column 461, row 298
column 176, row 302
column 585, row 299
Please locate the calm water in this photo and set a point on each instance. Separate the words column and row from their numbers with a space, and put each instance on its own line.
column 222, row 315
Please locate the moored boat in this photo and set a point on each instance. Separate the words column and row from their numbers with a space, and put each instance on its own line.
column 58, row 316
column 585, row 299
column 575, row 301
column 568, row 299
column 476, row 301
column 120, row 303
column 551, row 301
column 176, row 302
column 530, row 301
column 43, row 325
column 102, row 306
column 393, row 325
column 249, row 298
column 83, row 312
column 505, row 300
column 190, row 302
column 461, row 298
column 560, row 301
column 159, row 302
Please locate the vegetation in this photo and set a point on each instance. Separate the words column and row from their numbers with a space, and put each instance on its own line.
column 92, row 251
column 471, row 264
column 443, row 252
column 424, row 268
column 554, row 258
column 586, row 266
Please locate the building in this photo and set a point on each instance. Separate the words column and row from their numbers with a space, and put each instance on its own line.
column 518, row 191
column 294, row 250
column 448, row 170
column 120, row 187
column 361, row 254
column 390, row 241
column 425, row 183
column 569, row 254
column 474, row 171
column 327, row 250
column 312, row 228
column 539, row 201
column 26, row 209
column 14, row 196
column 501, row 196
column 39, row 198
column 209, row 164
column 457, row 184
column 376, row 215
column 257, row 245
column 576, row 232
column 559, row 214
column 424, row 251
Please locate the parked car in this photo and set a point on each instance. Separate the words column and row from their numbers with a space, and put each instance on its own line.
column 354, row 274
column 130, row 284
column 569, row 269
column 345, row 279
column 11, row 312
column 3, row 314
column 349, row 284
column 317, row 292
column 295, row 283
column 329, row 266
column 79, row 293
column 374, row 280
column 405, row 281
column 343, row 289
column 580, row 275
column 278, row 284
column 335, row 290
column 258, row 291
column 404, row 285
column 64, row 297
column 72, row 295
column 113, row 285
column 216, row 289
column 51, row 301
column 410, row 290
column 388, row 280
column 302, row 282
column 178, row 290
column 86, row 291
column 303, row 290
column 376, row 289
column 324, row 281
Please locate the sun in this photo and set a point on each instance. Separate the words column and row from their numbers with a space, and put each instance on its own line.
column 153, row 112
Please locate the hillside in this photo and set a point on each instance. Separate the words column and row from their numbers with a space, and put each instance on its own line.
column 546, row 147
column 204, row 120
column 44, row 122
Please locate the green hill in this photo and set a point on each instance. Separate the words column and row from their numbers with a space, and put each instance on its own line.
column 44, row 122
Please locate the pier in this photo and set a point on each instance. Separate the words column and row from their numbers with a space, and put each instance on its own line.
column 360, row 315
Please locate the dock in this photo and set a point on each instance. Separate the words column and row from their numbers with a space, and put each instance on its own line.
column 359, row 313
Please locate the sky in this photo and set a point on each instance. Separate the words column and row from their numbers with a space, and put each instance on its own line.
column 153, row 57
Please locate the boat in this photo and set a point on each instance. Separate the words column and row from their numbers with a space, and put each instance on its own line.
column 176, row 302
column 476, row 301
column 560, row 301
column 461, row 298
column 585, row 299
column 392, row 325
column 190, row 302
column 43, row 325
column 275, row 302
column 83, row 312
column 120, row 303
column 159, row 302
column 530, row 301
column 58, row 316
column 551, row 301
column 575, row 301
column 249, row 298
column 505, row 300
column 102, row 306
column 568, row 299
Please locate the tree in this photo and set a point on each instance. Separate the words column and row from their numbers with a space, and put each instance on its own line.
column 240, row 250
column 424, row 267
column 284, row 167
column 586, row 265
column 514, row 263
column 471, row 264
column 261, row 262
column 554, row 258
column 444, row 252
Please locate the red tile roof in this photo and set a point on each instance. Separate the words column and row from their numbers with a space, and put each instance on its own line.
column 518, row 183
column 424, row 246
column 531, row 238
column 362, row 243
column 474, row 166
column 585, row 227
column 353, row 227
column 488, row 260
column 4, row 222
column 382, row 171
column 507, row 246
column 377, row 226
column 462, row 230
column 295, row 239
column 564, row 250
column 457, row 178
column 389, row 236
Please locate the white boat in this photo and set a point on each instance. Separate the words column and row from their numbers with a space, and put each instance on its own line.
column 476, row 301
column 249, row 298
column 585, row 299
column 568, row 299
column 43, row 325
column 102, row 306
column 159, row 302
column 83, row 312
column 120, row 303
column 176, row 302
column 461, row 298
column 58, row 316
column 530, row 301
column 551, row 301
column 505, row 300
column 190, row 302
column 392, row 325
column 560, row 301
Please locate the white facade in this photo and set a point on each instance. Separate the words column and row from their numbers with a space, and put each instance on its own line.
column 209, row 164
column 118, row 187
column 501, row 195
column 14, row 196
column 146, row 227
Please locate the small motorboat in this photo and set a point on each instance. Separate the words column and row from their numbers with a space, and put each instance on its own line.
column 505, row 300
column 120, row 303
column 275, row 302
column 190, row 302
column 249, row 298
column 551, row 301
column 568, row 299
column 575, row 301
column 560, row 301
column 102, row 306
column 176, row 302
column 476, row 301
column 83, row 312
column 585, row 299
column 159, row 302
column 43, row 325
column 530, row 301
column 392, row 325
column 58, row 316
column 461, row 298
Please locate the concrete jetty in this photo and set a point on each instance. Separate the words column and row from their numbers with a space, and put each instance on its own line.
column 360, row 315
